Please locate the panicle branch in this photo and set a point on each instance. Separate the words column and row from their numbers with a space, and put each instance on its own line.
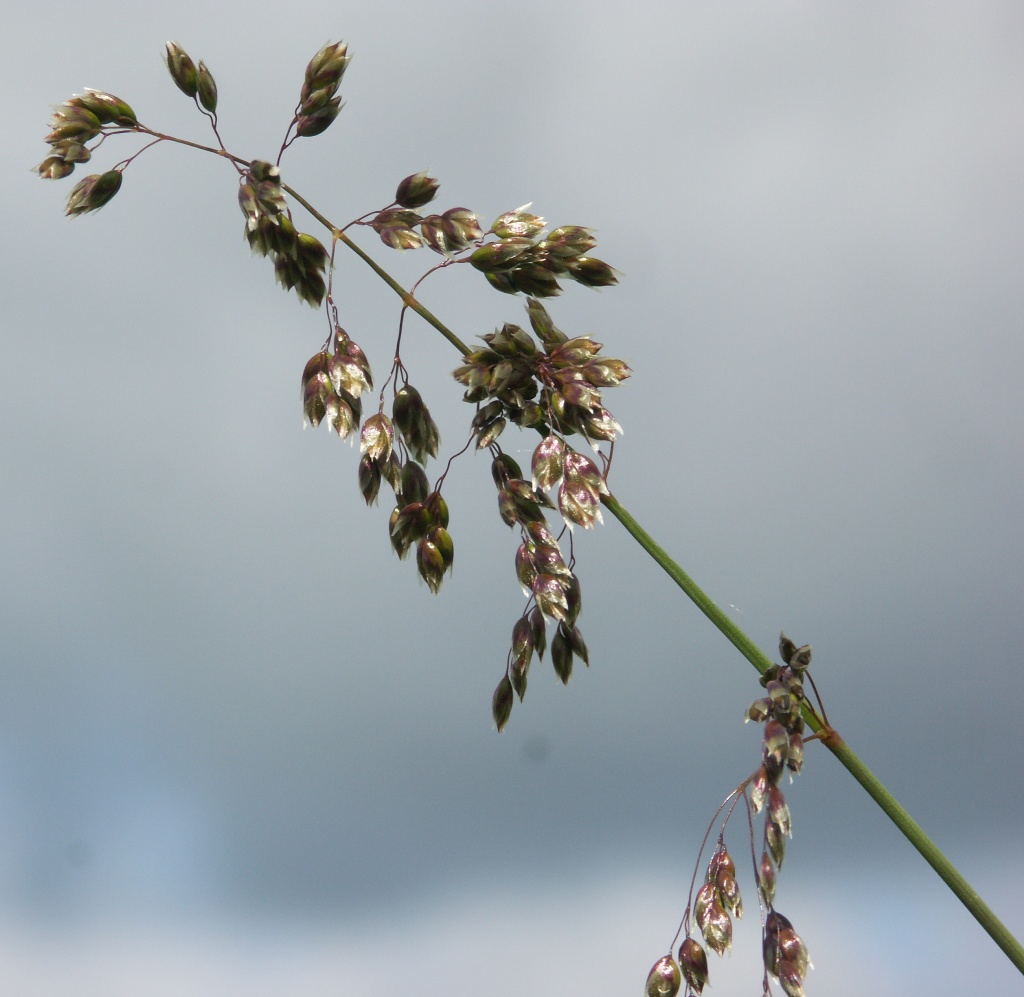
column 718, row 900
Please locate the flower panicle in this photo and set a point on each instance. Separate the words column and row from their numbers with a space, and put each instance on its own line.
column 718, row 900
column 319, row 101
column 524, row 259
column 402, row 227
column 552, row 587
column 300, row 259
column 79, row 120
column 333, row 383
column 93, row 192
column 557, row 383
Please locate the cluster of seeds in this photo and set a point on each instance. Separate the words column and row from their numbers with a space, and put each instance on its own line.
column 299, row 258
column 414, row 422
column 524, row 259
column 74, row 124
column 420, row 515
column 193, row 81
column 319, row 102
column 447, row 233
column 333, row 383
column 580, row 483
column 718, row 900
column 332, row 389
column 785, row 954
column 556, row 384
column 553, row 387
column 782, row 749
column 400, row 461
column 551, row 585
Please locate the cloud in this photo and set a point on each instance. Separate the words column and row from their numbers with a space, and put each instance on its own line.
column 596, row 935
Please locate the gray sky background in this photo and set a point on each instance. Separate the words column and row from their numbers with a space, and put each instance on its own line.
column 243, row 751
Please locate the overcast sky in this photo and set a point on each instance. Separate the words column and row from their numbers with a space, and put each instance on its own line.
column 244, row 751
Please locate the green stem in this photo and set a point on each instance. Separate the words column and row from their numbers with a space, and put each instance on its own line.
column 931, row 853
column 703, row 601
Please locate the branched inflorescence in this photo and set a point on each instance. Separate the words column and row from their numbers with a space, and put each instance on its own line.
column 718, row 899
column 555, row 388
column 545, row 382
column 299, row 258
column 551, row 384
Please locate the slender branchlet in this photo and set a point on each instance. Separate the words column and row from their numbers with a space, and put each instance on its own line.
column 710, row 914
column 546, row 382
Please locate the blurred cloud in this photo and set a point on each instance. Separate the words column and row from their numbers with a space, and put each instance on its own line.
column 509, row 938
